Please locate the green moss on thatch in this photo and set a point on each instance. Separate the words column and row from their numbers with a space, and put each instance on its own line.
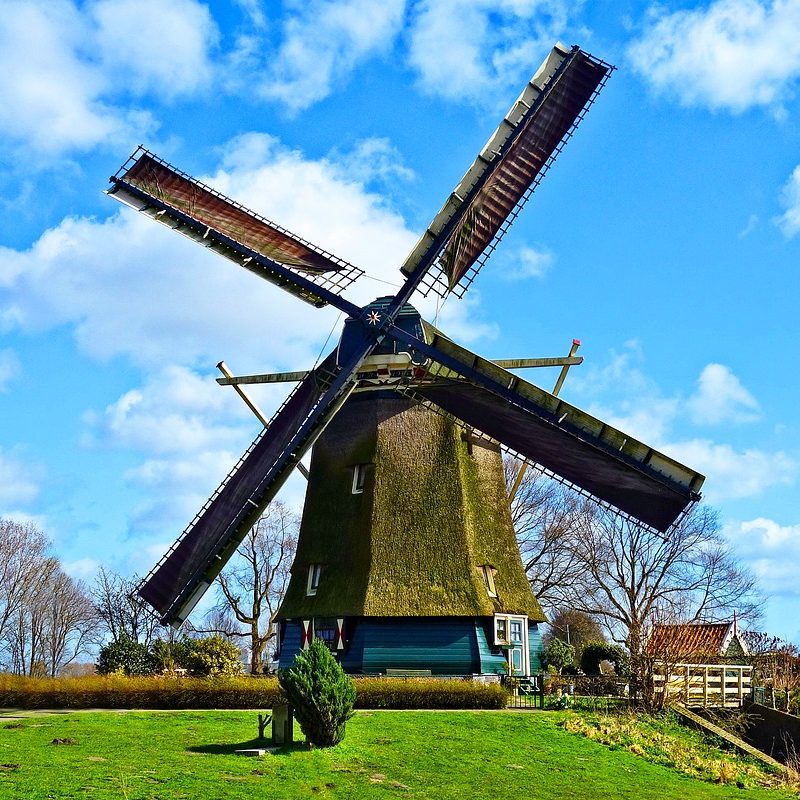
column 430, row 515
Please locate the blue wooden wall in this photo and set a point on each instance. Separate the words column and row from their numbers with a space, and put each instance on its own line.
column 443, row 645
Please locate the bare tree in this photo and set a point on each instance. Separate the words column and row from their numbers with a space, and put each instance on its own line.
column 70, row 622
column 776, row 665
column 53, row 623
column 632, row 575
column 120, row 610
column 23, row 548
column 575, row 628
column 253, row 585
column 546, row 518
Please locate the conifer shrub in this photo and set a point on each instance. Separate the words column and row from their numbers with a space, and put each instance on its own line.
column 321, row 694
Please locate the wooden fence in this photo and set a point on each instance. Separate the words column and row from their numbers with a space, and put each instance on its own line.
column 704, row 685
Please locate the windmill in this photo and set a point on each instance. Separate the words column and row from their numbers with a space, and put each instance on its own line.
column 394, row 375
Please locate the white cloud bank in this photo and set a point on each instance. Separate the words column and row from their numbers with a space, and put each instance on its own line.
column 772, row 550
column 729, row 55
column 133, row 288
column 322, row 43
column 473, row 48
column 72, row 70
column 622, row 395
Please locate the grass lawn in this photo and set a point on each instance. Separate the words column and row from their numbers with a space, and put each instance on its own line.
column 421, row 754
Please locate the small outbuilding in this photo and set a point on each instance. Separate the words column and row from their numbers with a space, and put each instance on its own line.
column 702, row 664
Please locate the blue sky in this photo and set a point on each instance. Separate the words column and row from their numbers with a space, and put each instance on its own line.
column 665, row 238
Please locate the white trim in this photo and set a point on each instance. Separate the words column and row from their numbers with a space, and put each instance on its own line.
column 523, row 644
column 359, row 478
column 314, row 574
column 488, row 573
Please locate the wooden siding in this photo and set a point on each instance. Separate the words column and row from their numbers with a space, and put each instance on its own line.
column 535, row 648
column 290, row 644
column 445, row 646
column 493, row 662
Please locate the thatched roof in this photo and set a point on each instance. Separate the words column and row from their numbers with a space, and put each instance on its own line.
column 412, row 543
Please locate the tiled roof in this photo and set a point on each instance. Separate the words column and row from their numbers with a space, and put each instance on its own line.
column 695, row 641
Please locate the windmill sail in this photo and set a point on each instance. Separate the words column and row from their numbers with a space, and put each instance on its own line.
column 507, row 170
column 178, row 581
column 157, row 189
column 591, row 455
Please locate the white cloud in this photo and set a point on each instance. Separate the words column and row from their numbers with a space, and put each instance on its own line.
column 375, row 159
column 527, row 262
column 322, row 42
column 731, row 54
column 81, row 568
column 156, row 47
column 789, row 221
column 9, row 367
column 55, row 100
column 321, row 201
column 175, row 411
column 471, row 48
column 71, row 66
column 132, row 287
column 733, row 474
column 772, row 550
column 19, row 483
column 622, row 395
column 720, row 397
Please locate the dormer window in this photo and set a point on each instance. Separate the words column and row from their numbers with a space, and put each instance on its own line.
column 488, row 573
column 314, row 573
column 359, row 478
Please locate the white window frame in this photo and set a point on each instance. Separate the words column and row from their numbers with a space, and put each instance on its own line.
column 359, row 478
column 314, row 574
column 488, row 573
column 524, row 645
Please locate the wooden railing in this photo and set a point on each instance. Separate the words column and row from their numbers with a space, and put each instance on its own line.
column 704, row 685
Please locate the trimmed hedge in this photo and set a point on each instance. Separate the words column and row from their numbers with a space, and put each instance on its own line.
column 119, row 691
column 163, row 692
column 428, row 693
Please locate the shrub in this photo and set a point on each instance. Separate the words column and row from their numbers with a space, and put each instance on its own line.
column 321, row 694
column 125, row 656
column 559, row 654
column 596, row 651
column 172, row 656
column 214, row 656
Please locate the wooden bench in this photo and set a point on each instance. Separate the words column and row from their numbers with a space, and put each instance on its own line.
column 408, row 673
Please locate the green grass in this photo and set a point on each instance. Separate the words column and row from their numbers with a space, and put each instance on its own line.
column 421, row 754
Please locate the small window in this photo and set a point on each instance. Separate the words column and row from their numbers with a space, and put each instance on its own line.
column 314, row 573
column 359, row 478
column 501, row 630
column 325, row 629
column 488, row 573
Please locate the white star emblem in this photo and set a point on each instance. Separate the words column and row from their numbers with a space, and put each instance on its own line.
column 373, row 317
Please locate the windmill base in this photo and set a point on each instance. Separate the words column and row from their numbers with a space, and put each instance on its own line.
column 437, row 646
